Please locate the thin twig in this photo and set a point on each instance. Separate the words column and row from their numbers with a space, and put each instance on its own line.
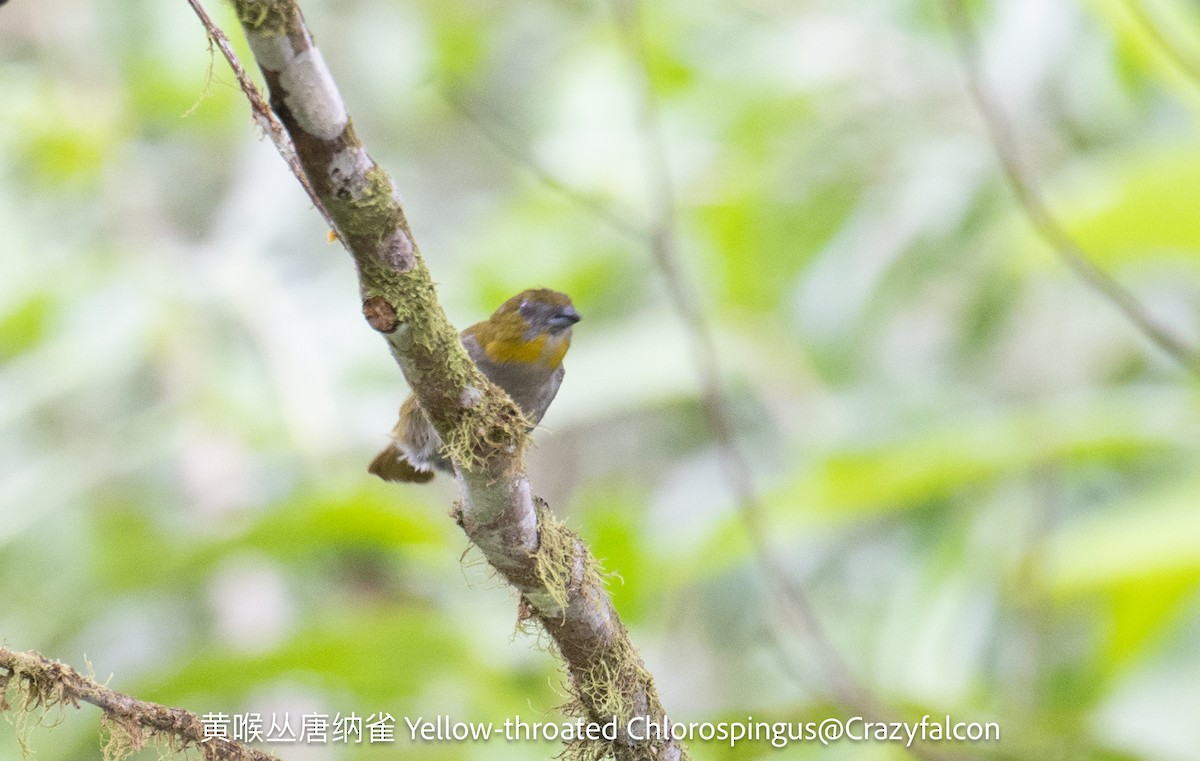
column 793, row 599
column 716, row 406
column 1043, row 220
column 661, row 239
column 263, row 115
column 487, row 124
column 43, row 683
column 483, row 430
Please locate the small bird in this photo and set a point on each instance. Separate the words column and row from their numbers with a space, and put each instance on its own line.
column 520, row 348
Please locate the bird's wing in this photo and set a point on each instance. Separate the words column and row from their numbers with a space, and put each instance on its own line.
column 549, row 391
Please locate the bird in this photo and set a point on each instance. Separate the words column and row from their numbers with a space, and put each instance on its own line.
column 520, row 348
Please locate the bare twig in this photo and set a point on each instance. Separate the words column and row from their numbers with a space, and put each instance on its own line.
column 491, row 126
column 1043, row 220
column 263, row 115
column 483, row 430
column 42, row 683
column 664, row 245
column 793, row 601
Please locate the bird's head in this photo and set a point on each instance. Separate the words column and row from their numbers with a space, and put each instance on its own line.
column 532, row 327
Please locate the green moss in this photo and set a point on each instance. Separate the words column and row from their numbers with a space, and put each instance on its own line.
column 122, row 742
column 369, row 211
column 555, row 559
column 270, row 18
column 440, row 369
column 31, row 687
column 30, row 692
column 613, row 681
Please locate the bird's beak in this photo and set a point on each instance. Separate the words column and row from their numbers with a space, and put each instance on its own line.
column 565, row 318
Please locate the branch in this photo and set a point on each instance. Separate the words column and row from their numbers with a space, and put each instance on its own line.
column 482, row 428
column 664, row 246
column 266, row 119
column 1051, row 230
column 492, row 128
column 790, row 597
column 132, row 724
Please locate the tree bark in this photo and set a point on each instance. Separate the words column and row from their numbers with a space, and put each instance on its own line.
column 483, row 430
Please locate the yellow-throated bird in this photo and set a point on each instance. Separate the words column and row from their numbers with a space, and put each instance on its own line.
column 520, row 348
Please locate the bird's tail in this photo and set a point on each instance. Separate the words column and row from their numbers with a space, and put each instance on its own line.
column 392, row 465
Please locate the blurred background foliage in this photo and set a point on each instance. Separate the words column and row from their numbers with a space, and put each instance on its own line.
column 985, row 479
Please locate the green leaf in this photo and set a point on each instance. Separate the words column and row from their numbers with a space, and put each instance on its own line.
column 376, row 656
column 934, row 465
column 24, row 325
column 1145, row 541
column 1141, row 208
column 1140, row 559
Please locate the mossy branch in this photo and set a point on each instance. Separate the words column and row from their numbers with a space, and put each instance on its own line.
column 31, row 683
column 483, row 429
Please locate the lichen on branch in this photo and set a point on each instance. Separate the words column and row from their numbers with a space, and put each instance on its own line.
column 31, row 684
column 483, row 430
column 362, row 203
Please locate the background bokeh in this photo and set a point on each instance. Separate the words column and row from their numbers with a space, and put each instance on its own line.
column 984, row 478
